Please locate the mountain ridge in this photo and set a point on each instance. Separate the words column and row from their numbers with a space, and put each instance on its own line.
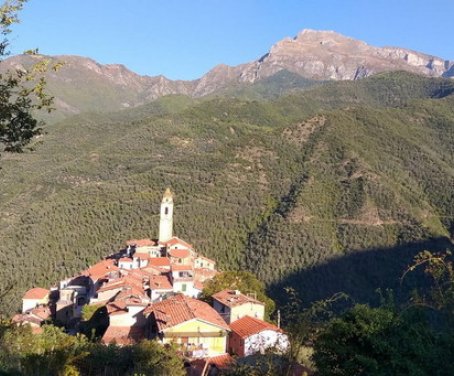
column 83, row 84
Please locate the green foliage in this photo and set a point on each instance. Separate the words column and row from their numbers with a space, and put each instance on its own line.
column 151, row 358
column 417, row 339
column 243, row 281
column 50, row 352
column 53, row 352
column 278, row 188
column 21, row 92
column 88, row 311
column 375, row 341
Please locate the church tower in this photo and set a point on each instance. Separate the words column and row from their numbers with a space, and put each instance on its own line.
column 166, row 222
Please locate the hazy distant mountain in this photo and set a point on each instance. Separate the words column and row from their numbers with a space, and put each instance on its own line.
column 84, row 85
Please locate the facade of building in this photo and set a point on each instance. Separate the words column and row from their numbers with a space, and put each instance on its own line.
column 232, row 305
column 34, row 297
column 194, row 326
column 250, row 335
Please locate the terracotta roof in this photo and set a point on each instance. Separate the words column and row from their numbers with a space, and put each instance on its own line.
column 36, row 293
column 247, row 326
column 180, row 308
column 116, row 307
column 36, row 316
column 24, row 318
column 141, row 242
column 42, row 312
column 176, row 241
column 123, row 335
column 159, row 261
column 160, row 282
column 100, row 269
column 155, row 270
column 232, row 298
column 221, row 362
column 112, row 285
column 125, row 259
column 179, row 253
column 181, row 267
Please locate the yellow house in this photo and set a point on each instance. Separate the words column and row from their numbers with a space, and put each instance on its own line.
column 194, row 326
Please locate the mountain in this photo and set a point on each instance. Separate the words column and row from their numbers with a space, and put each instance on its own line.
column 332, row 188
column 82, row 85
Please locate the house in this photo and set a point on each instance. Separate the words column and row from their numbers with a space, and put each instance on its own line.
column 250, row 335
column 193, row 325
column 160, row 287
column 35, row 317
column 127, row 321
column 204, row 262
column 232, row 305
column 34, row 297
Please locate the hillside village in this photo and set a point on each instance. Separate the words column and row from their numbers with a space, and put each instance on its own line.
column 149, row 290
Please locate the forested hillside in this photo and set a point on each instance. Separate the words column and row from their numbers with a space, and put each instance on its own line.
column 335, row 187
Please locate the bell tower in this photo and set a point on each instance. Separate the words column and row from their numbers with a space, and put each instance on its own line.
column 166, row 221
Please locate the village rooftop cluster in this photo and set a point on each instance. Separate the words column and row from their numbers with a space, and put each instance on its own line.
column 150, row 290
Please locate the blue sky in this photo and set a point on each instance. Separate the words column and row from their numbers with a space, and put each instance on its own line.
column 183, row 39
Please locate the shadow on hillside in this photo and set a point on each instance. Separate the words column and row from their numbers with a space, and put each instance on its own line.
column 360, row 274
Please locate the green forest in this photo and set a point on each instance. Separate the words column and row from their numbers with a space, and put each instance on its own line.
column 332, row 188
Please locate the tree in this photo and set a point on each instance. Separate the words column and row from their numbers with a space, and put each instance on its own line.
column 377, row 341
column 246, row 282
column 21, row 92
column 151, row 358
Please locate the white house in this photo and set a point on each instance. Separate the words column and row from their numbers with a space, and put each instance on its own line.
column 250, row 336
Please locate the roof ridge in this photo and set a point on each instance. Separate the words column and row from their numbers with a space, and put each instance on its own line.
column 192, row 314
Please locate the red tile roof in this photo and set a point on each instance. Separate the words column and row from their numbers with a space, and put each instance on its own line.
column 159, row 261
column 247, row 326
column 42, row 312
column 100, row 269
column 221, row 361
column 36, row 293
column 180, row 308
column 160, row 282
column 123, row 335
column 112, row 285
column 198, row 366
column 180, row 253
column 176, row 241
column 182, row 267
column 232, row 298
column 125, row 259
column 141, row 242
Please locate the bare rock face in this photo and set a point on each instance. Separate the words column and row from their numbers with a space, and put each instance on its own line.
column 82, row 84
column 327, row 55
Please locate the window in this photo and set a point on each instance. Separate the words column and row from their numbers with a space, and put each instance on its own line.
column 183, row 287
column 166, row 210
